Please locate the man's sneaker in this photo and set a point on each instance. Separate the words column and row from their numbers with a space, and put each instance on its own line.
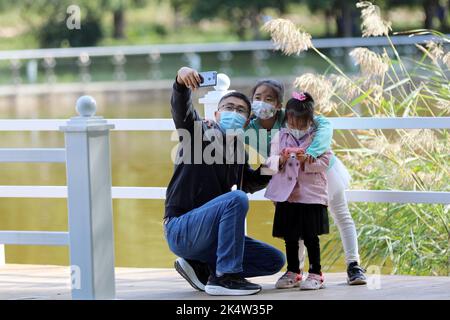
column 355, row 274
column 313, row 282
column 195, row 272
column 230, row 285
column 289, row 280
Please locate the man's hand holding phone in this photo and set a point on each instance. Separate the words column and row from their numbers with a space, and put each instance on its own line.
column 193, row 79
column 188, row 77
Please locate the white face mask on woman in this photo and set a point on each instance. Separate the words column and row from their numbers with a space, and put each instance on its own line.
column 263, row 110
column 297, row 133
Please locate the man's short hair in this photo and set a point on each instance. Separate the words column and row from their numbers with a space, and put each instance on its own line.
column 241, row 96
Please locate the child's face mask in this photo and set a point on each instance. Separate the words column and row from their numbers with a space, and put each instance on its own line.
column 297, row 133
column 263, row 110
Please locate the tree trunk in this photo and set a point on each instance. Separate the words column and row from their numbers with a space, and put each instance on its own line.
column 347, row 21
column 429, row 7
column 177, row 16
column 328, row 17
column 344, row 19
column 282, row 6
column 254, row 22
column 443, row 15
column 119, row 24
column 238, row 23
column 240, row 31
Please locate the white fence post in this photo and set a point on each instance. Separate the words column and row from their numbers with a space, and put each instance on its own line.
column 89, row 203
column 212, row 98
column 2, row 255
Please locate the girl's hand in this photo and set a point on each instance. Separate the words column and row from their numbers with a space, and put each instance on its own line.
column 301, row 157
column 283, row 159
column 295, row 150
column 310, row 159
column 287, row 152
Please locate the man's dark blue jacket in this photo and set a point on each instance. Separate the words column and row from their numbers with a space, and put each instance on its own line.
column 192, row 185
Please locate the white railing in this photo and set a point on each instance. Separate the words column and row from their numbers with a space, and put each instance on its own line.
column 88, row 192
column 33, row 155
column 348, row 42
column 191, row 53
column 159, row 193
column 167, row 125
column 84, row 187
column 355, row 123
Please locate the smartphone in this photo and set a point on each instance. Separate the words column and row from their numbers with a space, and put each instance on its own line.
column 208, row 78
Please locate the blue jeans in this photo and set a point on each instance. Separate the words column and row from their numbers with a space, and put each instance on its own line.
column 215, row 233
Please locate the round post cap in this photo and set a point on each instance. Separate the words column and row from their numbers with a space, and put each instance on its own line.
column 86, row 106
column 223, row 82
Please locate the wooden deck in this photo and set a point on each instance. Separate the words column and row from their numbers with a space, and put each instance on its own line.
column 53, row 282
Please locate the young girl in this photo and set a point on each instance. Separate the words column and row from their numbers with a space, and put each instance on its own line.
column 271, row 93
column 267, row 103
column 299, row 189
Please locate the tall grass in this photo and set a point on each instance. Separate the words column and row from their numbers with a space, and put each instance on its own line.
column 405, row 238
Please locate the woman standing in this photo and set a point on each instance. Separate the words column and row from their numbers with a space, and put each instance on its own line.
column 267, row 101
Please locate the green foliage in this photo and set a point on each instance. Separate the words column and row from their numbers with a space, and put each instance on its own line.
column 320, row 5
column 405, row 238
column 7, row 5
column 233, row 19
column 52, row 31
column 243, row 16
column 55, row 33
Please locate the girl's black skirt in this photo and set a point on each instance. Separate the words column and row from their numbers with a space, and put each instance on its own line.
column 294, row 221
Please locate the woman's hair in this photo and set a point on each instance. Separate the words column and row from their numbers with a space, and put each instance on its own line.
column 275, row 85
column 302, row 108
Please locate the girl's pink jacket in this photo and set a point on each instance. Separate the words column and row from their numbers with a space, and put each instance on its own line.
column 291, row 183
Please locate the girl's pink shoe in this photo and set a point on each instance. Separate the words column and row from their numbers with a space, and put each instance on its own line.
column 289, row 280
column 313, row 282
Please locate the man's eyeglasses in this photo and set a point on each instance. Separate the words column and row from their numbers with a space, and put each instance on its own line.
column 232, row 107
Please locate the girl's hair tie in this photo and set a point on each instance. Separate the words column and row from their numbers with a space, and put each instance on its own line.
column 299, row 96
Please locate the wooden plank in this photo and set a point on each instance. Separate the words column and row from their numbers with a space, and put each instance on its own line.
column 53, row 282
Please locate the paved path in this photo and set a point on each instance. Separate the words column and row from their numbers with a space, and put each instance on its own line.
column 52, row 282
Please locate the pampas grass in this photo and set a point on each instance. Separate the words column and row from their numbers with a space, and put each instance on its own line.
column 402, row 238
column 372, row 23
